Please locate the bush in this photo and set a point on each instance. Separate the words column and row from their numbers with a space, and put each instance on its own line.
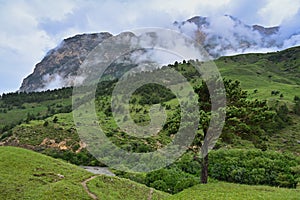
column 297, row 108
column 159, row 185
column 170, row 180
column 46, row 123
column 137, row 177
column 188, row 164
column 254, row 167
column 185, row 183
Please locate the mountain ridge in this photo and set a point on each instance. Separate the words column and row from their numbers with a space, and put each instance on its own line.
column 58, row 68
column 62, row 62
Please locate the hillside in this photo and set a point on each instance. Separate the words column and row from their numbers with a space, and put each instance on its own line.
column 235, row 37
column 29, row 175
column 264, row 73
column 221, row 190
column 59, row 67
column 259, row 144
column 273, row 77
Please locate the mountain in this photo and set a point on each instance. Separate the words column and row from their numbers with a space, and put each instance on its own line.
column 43, row 121
column 226, row 35
column 58, row 68
column 220, row 36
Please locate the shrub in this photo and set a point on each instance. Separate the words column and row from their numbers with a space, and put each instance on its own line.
column 46, row 123
column 297, row 108
column 254, row 167
column 170, row 180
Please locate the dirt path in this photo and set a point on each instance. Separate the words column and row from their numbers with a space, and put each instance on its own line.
column 150, row 194
column 93, row 196
column 83, row 183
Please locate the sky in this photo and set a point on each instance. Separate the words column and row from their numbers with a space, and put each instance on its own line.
column 30, row 28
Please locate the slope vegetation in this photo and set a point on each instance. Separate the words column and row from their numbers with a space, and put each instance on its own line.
column 29, row 175
column 221, row 190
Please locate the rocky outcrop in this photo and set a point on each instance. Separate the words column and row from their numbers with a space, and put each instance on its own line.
column 225, row 35
column 62, row 62
column 220, row 36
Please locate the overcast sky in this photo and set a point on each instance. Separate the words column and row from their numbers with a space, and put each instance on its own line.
column 28, row 29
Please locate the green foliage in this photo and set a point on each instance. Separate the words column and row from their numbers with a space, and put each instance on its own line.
column 296, row 108
column 36, row 176
column 224, row 191
column 153, row 94
column 81, row 158
column 254, row 167
column 248, row 119
column 115, row 188
column 55, row 119
column 188, row 164
column 170, row 180
column 283, row 118
column 56, row 138
column 30, row 118
column 16, row 108
column 19, row 98
column 265, row 72
column 46, row 123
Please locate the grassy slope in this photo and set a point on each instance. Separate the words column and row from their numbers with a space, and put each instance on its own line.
column 221, row 190
column 16, row 114
column 116, row 188
column 265, row 72
column 287, row 139
column 29, row 175
column 34, row 132
column 25, row 174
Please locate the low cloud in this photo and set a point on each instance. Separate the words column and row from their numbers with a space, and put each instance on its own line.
column 30, row 29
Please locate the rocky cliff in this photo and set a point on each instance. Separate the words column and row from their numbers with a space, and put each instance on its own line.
column 62, row 62
column 227, row 35
column 224, row 35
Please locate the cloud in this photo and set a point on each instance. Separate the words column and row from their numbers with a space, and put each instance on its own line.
column 30, row 28
column 276, row 11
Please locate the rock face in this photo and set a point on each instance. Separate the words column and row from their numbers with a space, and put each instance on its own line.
column 226, row 35
column 62, row 62
column 220, row 36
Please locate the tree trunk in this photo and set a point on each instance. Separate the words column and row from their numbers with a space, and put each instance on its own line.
column 204, row 171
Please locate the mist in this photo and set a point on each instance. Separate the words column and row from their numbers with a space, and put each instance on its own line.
column 30, row 29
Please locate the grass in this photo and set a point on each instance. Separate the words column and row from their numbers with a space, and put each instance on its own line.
column 34, row 132
column 14, row 115
column 263, row 83
column 222, row 190
column 288, row 138
column 29, row 175
column 122, row 189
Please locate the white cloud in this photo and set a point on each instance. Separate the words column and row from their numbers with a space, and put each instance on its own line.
column 276, row 11
column 28, row 29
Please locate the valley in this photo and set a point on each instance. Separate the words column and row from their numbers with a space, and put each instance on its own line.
column 259, row 145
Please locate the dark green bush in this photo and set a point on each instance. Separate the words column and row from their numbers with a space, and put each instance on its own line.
column 170, row 180
column 297, row 108
column 188, row 164
column 254, row 167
